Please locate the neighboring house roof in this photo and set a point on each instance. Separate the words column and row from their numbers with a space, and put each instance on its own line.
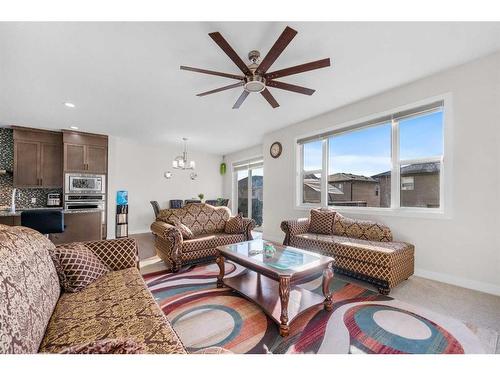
column 315, row 185
column 342, row 177
column 311, row 176
column 421, row 168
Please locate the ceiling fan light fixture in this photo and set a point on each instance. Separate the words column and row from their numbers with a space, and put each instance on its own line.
column 255, row 84
column 256, row 78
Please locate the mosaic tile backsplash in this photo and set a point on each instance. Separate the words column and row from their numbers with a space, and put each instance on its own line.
column 24, row 196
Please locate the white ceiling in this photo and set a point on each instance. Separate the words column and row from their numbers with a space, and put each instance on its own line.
column 125, row 80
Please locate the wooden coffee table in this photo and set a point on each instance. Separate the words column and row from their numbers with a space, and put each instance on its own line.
column 271, row 281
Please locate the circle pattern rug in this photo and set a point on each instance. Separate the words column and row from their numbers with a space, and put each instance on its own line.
column 362, row 321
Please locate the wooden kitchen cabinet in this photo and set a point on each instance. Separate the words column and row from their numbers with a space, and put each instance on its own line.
column 79, row 226
column 84, row 152
column 37, row 158
column 97, row 159
column 74, row 157
column 10, row 220
column 51, row 164
column 26, row 156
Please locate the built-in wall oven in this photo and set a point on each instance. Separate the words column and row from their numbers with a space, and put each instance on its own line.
column 84, row 191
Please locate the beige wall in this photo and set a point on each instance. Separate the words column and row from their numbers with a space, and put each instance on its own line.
column 139, row 167
column 463, row 249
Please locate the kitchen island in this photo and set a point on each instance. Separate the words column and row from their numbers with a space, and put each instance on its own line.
column 79, row 225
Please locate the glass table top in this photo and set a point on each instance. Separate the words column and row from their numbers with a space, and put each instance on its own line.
column 283, row 258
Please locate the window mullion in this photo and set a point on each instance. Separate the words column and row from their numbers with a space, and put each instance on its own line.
column 324, row 174
column 249, row 193
column 396, row 168
column 299, row 199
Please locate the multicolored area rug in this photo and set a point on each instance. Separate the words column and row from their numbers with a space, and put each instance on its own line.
column 362, row 321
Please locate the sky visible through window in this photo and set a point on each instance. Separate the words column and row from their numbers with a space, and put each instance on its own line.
column 367, row 151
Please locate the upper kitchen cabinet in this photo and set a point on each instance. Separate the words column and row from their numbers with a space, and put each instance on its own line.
column 37, row 158
column 84, row 152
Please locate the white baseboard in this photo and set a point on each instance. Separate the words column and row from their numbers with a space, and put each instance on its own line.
column 459, row 281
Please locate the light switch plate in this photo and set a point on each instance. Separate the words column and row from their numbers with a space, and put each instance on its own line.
column 33, row 200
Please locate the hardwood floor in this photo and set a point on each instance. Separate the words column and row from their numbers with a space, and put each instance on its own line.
column 146, row 244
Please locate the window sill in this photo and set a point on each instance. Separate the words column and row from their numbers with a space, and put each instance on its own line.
column 423, row 213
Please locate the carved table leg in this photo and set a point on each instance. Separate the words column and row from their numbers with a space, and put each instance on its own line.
column 220, row 262
column 284, row 291
column 327, row 277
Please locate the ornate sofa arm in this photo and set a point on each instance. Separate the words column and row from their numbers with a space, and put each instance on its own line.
column 168, row 243
column 116, row 254
column 293, row 227
column 248, row 225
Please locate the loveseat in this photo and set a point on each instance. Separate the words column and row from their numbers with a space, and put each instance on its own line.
column 361, row 249
column 206, row 222
column 35, row 316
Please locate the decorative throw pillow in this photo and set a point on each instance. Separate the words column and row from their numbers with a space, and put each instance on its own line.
column 321, row 221
column 187, row 233
column 106, row 346
column 77, row 266
column 362, row 229
column 234, row 225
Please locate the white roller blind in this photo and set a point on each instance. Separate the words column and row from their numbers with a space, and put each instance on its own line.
column 248, row 164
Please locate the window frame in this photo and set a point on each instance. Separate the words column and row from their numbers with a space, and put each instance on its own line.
column 246, row 165
column 445, row 178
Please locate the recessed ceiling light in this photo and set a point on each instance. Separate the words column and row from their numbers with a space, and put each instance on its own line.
column 69, row 105
column 74, row 127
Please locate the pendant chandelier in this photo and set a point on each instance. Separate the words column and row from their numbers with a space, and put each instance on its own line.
column 182, row 161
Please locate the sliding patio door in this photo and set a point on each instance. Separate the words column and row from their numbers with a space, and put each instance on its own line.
column 248, row 189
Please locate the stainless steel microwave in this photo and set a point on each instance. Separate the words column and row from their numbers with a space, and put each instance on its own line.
column 85, row 183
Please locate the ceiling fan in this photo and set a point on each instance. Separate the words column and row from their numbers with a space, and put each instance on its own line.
column 256, row 79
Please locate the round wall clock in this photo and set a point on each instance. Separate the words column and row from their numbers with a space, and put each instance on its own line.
column 275, row 149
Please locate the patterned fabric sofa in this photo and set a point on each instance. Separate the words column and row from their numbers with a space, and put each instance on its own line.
column 207, row 224
column 36, row 317
column 362, row 249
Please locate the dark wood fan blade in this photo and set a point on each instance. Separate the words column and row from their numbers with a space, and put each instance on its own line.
column 270, row 98
column 211, row 72
column 234, row 85
column 290, row 87
column 241, row 99
column 224, row 45
column 285, row 38
column 298, row 69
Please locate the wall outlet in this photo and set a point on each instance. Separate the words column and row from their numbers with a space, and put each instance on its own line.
column 33, row 200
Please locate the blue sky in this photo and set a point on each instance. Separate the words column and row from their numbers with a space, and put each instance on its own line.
column 368, row 151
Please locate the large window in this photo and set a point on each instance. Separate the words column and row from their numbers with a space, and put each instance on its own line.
column 312, row 167
column 394, row 161
column 353, row 158
column 420, row 158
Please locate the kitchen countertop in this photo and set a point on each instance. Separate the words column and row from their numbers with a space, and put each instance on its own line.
column 18, row 212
